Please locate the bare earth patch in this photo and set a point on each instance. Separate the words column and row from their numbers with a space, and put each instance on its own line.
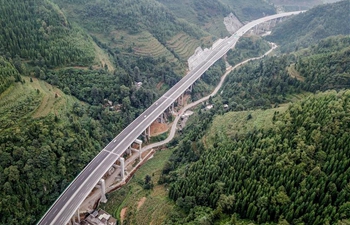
column 158, row 128
column 123, row 213
column 140, row 203
column 295, row 74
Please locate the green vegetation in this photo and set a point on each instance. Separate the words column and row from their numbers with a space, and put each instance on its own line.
column 239, row 124
column 208, row 80
column 142, row 27
column 38, row 31
column 250, row 10
column 247, row 47
column 209, row 15
column 317, row 23
column 294, row 5
column 46, row 137
column 327, row 65
column 8, row 74
column 156, row 204
column 269, row 165
column 97, row 50
column 296, row 171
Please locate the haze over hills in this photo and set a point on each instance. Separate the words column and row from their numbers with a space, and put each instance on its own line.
column 320, row 22
column 63, row 61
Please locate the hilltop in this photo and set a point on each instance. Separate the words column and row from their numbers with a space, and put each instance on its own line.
column 315, row 24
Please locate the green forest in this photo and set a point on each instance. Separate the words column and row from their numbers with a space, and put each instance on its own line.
column 8, row 74
column 38, row 31
column 61, row 61
column 290, row 168
column 297, row 171
column 311, row 26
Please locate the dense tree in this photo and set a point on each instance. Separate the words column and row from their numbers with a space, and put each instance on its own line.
column 317, row 23
column 38, row 31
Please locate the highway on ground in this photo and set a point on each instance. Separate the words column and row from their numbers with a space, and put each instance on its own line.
column 69, row 201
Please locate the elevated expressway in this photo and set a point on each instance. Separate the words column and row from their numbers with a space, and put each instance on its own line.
column 69, row 201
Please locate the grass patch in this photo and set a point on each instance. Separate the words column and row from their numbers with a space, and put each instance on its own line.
column 295, row 74
column 102, row 59
column 35, row 99
column 157, row 204
column 240, row 123
column 143, row 44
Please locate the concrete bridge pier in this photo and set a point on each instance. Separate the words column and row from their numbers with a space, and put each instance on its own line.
column 139, row 142
column 148, row 133
column 103, row 192
column 171, row 108
column 180, row 100
column 122, row 167
column 162, row 118
column 190, row 88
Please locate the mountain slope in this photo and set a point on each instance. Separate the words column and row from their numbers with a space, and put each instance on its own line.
column 46, row 137
column 8, row 74
column 315, row 24
column 122, row 25
column 38, row 31
column 297, row 171
column 269, row 165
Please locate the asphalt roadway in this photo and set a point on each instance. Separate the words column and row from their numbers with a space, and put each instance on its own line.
column 69, row 201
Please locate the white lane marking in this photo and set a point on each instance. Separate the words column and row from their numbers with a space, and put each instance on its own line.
column 110, row 152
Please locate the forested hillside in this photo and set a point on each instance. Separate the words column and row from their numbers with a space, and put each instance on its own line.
column 297, row 171
column 8, row 74
column 46, row 138
column 250, row 10
column 270, row 165
column 315, row 24
column 38, row 31
column 247, row 47
column 137, row 27
column 326, row 65
column 61, row 65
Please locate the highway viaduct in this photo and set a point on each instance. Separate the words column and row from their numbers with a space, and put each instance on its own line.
column 62, row 210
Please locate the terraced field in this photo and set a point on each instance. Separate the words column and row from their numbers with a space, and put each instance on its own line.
column 143, row 44
column 183, row 45
column 31, row 100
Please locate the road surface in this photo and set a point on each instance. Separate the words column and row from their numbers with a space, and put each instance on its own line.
column 68, row 203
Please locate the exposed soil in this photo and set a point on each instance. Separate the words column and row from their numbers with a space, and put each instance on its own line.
column 123, row 214
column 140, row 203
column 158, row 128
column 295, row 74
column 159, row 85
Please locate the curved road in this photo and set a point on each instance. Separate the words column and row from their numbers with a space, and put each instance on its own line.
column 191, row 105
column 68, row 203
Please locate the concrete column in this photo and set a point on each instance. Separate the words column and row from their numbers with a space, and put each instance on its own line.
column 122, row 167
column 139, row 142
column 103, row 191
column 149, row 132
column 78, row 214
column 191, row 88
column 180, row 100
column 162, row 118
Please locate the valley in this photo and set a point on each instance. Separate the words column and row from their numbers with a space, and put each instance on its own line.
column 270, row 147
